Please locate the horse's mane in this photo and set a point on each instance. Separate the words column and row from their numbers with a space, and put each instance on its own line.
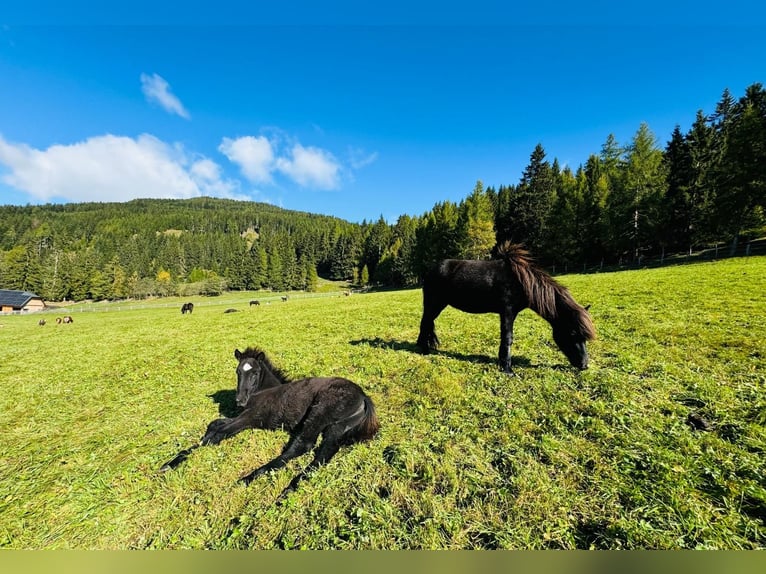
column 260, row 354
column 545, row 296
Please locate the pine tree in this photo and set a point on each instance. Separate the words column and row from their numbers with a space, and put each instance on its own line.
column 476, row 225
column 529, row 206
column 702, row 189
column 742, row 171
column 596, row 192
column 677, row 208
column 644, row 186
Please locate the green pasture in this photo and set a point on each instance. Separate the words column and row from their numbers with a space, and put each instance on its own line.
column 660, row 444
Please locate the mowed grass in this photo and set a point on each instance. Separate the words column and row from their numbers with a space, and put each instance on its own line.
column 467, row 457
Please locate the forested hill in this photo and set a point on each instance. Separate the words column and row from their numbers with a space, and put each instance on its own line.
column 151, row 246
column 706, row 186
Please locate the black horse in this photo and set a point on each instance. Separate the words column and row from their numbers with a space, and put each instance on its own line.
column 187, row 307
column 506, row 286
column 254, row 302
column 334, row 407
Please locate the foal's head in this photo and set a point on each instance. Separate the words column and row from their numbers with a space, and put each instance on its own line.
column 255, row 373
column 249, row 374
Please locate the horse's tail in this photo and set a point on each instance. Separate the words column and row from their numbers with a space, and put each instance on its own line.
column 367, row 425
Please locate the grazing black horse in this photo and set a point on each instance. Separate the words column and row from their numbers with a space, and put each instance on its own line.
column 187, row 307
column 334, row 407
column 506, row 286
column 254, row 302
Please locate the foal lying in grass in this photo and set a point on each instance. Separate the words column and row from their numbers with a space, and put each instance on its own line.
column 334, row 407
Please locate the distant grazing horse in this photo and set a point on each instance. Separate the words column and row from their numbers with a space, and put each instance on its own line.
column 334, row 407
column 231, row 310
column 68, row 319
column 506, row 286
column 254, row 302
column 41, row 322
column 187, row 307
column 284, row 298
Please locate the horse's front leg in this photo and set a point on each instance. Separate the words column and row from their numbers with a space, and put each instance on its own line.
column 427, row 339
column 217, row 430
column 221, row 429
column 506, row 340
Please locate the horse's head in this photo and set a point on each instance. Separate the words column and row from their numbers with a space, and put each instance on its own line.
column 572, row 334
column 249, row 375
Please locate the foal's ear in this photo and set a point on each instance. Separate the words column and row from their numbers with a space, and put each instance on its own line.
column 261, row 356
column 237, row 354
column 587, row 307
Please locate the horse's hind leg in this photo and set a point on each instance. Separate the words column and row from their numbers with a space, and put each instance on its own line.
column 332, row 440
column 299, row 444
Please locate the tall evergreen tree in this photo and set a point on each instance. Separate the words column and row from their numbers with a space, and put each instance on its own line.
column 437, row 238
column 595, row 236
column 476, row 225
column 677, row 209
column 530, row 205
column 742, row 172
column 644, row 186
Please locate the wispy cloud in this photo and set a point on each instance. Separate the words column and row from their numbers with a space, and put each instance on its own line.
column 112, row 168
column 358, row 158
column 157, row 90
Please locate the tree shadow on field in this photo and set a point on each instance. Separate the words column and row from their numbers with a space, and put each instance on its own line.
column 227, row 404
column 395, row 345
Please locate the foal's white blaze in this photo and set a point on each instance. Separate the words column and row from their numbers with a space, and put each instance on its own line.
column 246, row 367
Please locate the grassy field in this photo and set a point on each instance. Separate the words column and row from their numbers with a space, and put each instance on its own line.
column 467, row 457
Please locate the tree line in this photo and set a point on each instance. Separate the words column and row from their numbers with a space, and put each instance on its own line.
column 627, row 202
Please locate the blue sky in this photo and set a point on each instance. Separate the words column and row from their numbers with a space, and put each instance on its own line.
column 356, row 112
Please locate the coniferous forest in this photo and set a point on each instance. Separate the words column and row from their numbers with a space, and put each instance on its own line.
column 629, row 201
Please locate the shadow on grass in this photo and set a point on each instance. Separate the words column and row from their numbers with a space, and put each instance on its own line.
column 394, row 345
column 227, row 404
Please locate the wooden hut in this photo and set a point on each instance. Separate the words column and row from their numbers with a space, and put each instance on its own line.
column 20, row 302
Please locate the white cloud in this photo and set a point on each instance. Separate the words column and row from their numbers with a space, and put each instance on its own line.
column 310, row 167
column 259, row 157
column 157, row 90
column 253, row 155
column 111, row 168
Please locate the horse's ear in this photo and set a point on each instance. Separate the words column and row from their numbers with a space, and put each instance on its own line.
column 237, row 354
column 587, row 307
column 261, row 356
